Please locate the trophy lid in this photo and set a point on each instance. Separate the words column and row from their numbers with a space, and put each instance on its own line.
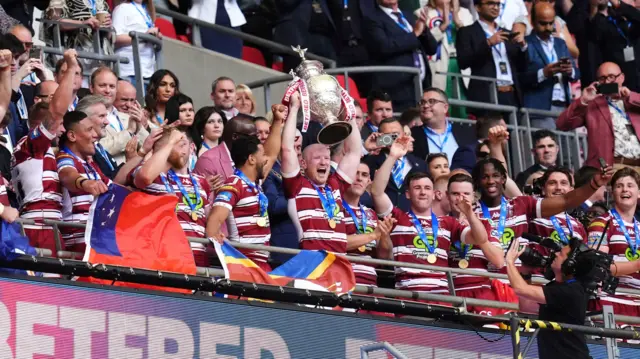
column 307, row 68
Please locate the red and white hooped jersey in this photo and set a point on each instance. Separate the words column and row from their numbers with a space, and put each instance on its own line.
column 365, row 273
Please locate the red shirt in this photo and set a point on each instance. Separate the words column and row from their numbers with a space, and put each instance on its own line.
column 190, row 227
column 621, row 251
column 476, row 259
column 408, row 247
column 309, row 216
column 35, row 176
column 242, row 222
column 365, row 273
column 76, row 203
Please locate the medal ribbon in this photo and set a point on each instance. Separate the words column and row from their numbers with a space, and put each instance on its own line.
column 422, row 234
column 87, row 167
column 363, row 225
column 174, row 177
column 633, row 245
column 328, row 202
column 560, row 230
column 463, row 249
column 503, row 216
column 263, row 201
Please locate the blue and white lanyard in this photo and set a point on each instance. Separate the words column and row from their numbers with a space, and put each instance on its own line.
column 429, row 132
column 22, row 106
column 104, row 155
column 114, row 112
column 622, row 113
column 560, row 230
column 144, row 13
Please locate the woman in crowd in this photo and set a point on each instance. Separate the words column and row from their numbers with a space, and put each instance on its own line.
column 162, row 86
column 180, row 108
column 140, row 16
column 207, row 128
column 94, row 13
column 445, row 18
column 245, row 102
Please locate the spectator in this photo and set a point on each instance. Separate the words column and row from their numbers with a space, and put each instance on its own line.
column 308, row 24
column 162, row 86
column 437, row 134
column 607, row 120
column 549, row 70
column 60, row 70
column 217, row 161
column 223, row 94
column 245, row 101
column 441, row 205
column 446, row 17
column 360, row 219
column 404, row 166
column 6, row 21
column 283, row 232
column 359, row 116
column 241, row 202
column 438, row 165
column 121, row 126
column 167, row 172
column 23, row 35
column 396, row 39
column 578, row 16
column 79, row 12
column 81, row 179
column 261, row 17
column 545, row 155
column 23, row 11
column 263, row 128
column 44, row 91
column 466, row 156
column 380, row 107
column 411, row 118
column 560, row 30
column 139, row 16
column 220, row 12
column 486, row 49
column 180, row 108
column 207, row 128
column 125, row 97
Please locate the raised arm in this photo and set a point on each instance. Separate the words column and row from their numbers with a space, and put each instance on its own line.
column 381, row 201
column 5, row 81
column 63, row 97
column 353, row 151
column 498, row 135
column 289, row 156
column 519, row 285
column 157, row 163
column 576, row 114
column 554, row 205
column 133, row 162
column 274, row 141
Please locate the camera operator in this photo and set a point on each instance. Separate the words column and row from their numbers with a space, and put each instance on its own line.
column 621, row 241
column 563, row 300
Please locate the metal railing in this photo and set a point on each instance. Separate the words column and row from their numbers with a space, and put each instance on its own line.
column 258, row 41
column 136, row 39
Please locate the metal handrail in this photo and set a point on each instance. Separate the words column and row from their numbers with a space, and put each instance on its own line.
column 273, row 46
column 493, row 84
column 88, row 55
column 136, row 38
column 71, row 24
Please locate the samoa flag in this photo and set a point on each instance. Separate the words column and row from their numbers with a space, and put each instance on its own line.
column 325, row 269
column 138, row 230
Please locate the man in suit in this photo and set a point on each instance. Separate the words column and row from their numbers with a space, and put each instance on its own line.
column 397, row 39
column 545, row 154
column 491, row 52
column 612, row 121
column 217, row 161
column 549, row 68
column 401, row 170
column 437, row 134
column 466, row 156
column 307, row 23
column 379, row 107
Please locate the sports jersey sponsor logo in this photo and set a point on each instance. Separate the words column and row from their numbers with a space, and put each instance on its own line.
column 507, row 236
column 193, row 198
column 594, row 238
column 223, row 196
column 421, row 250
column 631, row 256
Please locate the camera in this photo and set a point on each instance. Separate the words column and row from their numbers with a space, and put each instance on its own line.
column 386, row 140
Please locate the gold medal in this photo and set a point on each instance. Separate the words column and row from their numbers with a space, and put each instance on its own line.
column 463, row 264
column 262, row 222
column 432, row 258
column 194, row 216
column 362, row 248
column 332, row 223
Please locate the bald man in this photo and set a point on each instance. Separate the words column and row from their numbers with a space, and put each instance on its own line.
column 549, row 68
column 45, row 91
column 125, row 96
column 612, row 119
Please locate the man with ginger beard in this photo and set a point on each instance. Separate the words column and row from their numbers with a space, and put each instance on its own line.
column 167, row 172
column 315, row 205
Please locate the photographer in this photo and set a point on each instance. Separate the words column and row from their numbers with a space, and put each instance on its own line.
column 611, row 114
column 563, row 300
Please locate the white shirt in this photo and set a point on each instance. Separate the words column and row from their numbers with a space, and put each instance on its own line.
column 390, row 13
column 450, row 147
column 550, row 52
column 229, row 114
column 509, row 11
column 499, row 53
column 132, row 17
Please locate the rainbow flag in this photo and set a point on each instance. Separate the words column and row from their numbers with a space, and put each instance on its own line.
column 332, row 272
column 138, row 230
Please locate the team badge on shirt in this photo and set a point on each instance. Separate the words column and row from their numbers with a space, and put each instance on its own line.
column 223, row 196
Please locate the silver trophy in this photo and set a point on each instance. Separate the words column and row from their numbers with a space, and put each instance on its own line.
column 326, row 98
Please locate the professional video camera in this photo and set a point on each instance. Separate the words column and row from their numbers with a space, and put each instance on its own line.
column 587, row 265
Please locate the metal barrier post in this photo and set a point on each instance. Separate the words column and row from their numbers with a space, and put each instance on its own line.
column 514, row 327
column 267, row 97
column 610, row 323
column 57, row 37
column 365, row 349
column 137, row 68
column 516, row 166
column 493, row 93
column 418, row 87
column 527, row 123
column 195, row 35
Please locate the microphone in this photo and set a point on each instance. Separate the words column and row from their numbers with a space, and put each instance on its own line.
column 543, row 241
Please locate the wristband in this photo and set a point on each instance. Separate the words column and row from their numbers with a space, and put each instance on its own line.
column 78, row 180
column 141, row 152
column 81, row 182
